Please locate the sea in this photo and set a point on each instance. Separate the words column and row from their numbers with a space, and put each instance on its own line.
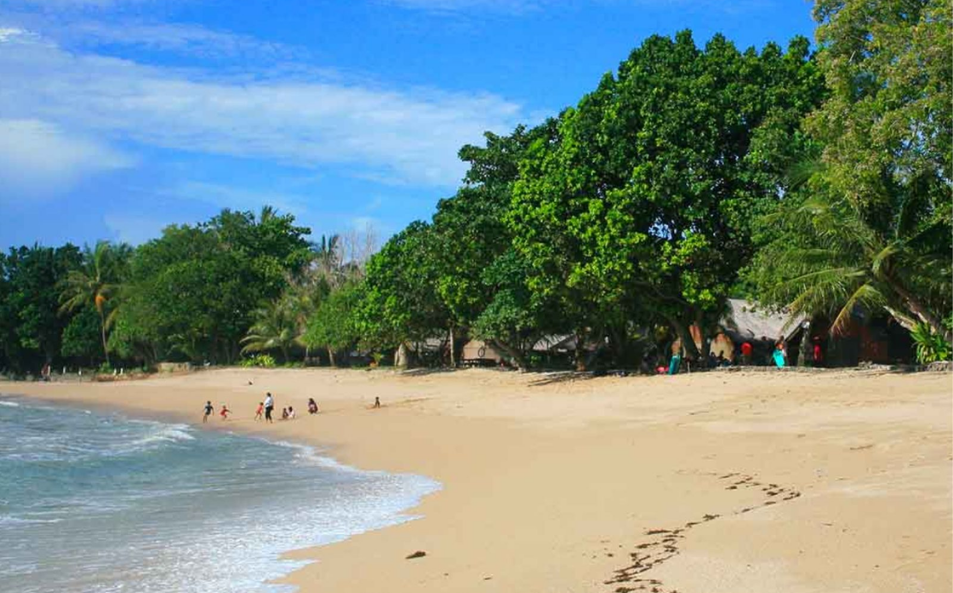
column 94, row 502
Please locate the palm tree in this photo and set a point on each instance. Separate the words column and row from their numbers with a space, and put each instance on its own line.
column 275, row 327
column 327, row 260
column 896, row 259
column 95, row 285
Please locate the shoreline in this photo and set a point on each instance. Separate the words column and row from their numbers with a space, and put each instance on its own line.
column 321, row 450
column 607, row 483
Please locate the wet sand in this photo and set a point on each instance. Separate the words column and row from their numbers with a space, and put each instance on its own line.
column 703, row 483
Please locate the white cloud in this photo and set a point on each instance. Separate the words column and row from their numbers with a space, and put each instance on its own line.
column 8, row 33
column 411, row 135
column 38, row 158
column 193, row 40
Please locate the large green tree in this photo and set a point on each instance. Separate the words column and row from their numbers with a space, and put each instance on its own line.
column 400, row 303
column 644, row 205
column 871, row 225
column 30, row 327
column 473, row 246
column 194, row 291
column 334, row 325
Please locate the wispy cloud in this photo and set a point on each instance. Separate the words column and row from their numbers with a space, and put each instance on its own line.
column 39, row 159
column 193, row 40
column 409, row 134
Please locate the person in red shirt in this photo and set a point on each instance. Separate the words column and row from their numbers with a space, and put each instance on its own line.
column 746, row 351
column 818, row 353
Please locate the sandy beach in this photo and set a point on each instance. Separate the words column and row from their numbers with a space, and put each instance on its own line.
column 703, row 483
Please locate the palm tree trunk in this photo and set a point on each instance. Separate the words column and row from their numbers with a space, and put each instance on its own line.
column 920, row 310
column 102, row 319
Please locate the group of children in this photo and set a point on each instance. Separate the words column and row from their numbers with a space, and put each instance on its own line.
column 263, row 412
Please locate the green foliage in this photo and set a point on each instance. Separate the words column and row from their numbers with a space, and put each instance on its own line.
column 872, row 224
column 399, row 302
column 643, row 205
column 479, row 277
column 688, row 175
column 275, row 328
column 265, row 361
column 81, row 338
column 30, row 327
column 95, row 285
column 194, row 292
column 931, row 346
column 333, row 326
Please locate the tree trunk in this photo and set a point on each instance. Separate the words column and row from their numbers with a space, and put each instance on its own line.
column 920, row 310
column 580, row 352
column 512, row 352
column 685, row 336
column 706, row 344
column 331, row 357
column 805, row 355
column 453, row 356
column 102, row 326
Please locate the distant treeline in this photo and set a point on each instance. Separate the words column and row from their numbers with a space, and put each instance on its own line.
column 820, row 182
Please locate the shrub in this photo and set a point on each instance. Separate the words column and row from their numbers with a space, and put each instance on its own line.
column 931, row 346
column 266, row 361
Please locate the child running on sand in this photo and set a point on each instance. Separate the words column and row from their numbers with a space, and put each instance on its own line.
column 208, row 411
column 259, row 411
column 225, row 412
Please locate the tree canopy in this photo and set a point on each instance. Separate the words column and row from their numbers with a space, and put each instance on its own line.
column 813, row 181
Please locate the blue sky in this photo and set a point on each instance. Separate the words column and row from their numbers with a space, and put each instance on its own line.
column 119, row 117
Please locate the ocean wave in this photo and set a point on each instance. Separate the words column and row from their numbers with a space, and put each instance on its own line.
column 313, row 456
column 9, row 404
column 167, row 433
column 11, row 520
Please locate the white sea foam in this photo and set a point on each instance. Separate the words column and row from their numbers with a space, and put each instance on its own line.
column 162, row 490
column 11, row 520
column 168, row 433
column 9, row 404
column 313, row 456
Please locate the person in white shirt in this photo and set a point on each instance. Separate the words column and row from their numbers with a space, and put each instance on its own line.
column 269, row 407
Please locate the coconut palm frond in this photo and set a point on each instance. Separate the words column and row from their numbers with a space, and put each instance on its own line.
column 866, row 295
column 883, row 258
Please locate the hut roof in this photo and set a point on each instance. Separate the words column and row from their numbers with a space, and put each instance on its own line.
column 751, row 321
column 555, row 342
